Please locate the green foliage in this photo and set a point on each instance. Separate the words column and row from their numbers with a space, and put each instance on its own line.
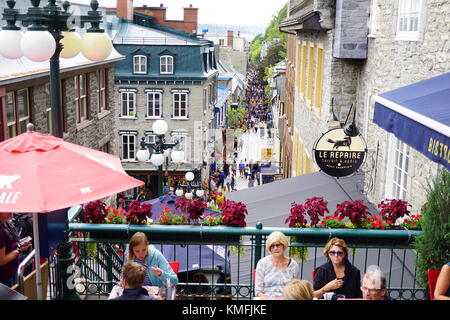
column 234, row 117
column 255, row 48
column 272, row 32
column 433, row 244
column 299, row 253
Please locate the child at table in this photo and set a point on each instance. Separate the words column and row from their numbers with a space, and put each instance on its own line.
column 156, row 265
column 133, row 276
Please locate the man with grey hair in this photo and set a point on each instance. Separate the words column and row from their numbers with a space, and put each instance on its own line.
column 373, row 284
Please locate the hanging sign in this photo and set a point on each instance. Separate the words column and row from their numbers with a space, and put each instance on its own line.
column 339, row 155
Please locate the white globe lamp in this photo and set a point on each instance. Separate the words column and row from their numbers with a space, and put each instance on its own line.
column 160, row 127
column 179, row 192
column 200, row 193
column 189, row 195
column 10, row 44
column 157, row 159
column 96, row 46
column 38, row 46
column 189, row 176
column 71, row 44
column 143, row 155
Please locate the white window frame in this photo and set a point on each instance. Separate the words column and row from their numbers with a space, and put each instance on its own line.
column 131, row 109
column 373, row 19
column 131, row 154
column 185, row 145
column 409, row 13
column 399, row 170
column 152, row 115
column 176, row 105
column 102, row 90
column 166, row 65
column 139, row 64
column 81, row 97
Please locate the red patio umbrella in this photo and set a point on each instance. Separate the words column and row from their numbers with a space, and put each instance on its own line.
column 41, row 173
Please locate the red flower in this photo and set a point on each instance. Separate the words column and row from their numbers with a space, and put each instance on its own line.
column 392, row 209
column 356, row 211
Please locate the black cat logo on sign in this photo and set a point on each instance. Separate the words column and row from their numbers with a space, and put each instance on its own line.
column 339, row 155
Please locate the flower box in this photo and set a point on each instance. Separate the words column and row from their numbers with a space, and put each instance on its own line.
column 160, row 233
column 357, row 237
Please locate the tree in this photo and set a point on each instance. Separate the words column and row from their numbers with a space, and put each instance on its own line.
column 275, row 54
column 433, row 244
column 235, row 117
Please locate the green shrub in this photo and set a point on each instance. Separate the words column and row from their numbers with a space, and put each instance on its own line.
column 433, row 244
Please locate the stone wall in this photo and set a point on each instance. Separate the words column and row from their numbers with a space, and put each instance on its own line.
column 392, row 64
column 93, row 133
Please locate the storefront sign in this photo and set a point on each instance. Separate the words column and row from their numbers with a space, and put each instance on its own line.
column 339, row 155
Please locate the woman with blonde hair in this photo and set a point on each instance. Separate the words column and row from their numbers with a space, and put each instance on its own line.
column 276, row 270
column 297, row 289
column 158, row 269
column 337, row 275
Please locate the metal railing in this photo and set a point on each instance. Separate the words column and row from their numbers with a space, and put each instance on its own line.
column 234, row 252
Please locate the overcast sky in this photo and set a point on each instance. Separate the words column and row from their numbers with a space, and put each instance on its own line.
column 235, row 12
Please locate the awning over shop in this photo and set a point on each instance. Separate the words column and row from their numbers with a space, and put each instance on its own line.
column 271, row 203
column 419, row 115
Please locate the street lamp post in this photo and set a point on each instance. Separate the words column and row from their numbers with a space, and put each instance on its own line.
column 157, row 157
column 190, row 176
column 50, row 34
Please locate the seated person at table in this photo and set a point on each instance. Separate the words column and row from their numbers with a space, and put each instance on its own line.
column 297, row 289
column 158, row 269
column 337, row 275
column 373, row 284
column 442, row 290
column 274, row 271
column 133, row 276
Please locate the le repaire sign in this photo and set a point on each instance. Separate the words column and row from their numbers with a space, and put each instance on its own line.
column 339, row 155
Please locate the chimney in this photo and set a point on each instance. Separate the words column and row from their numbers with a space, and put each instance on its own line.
column 190, row 19
column 125, row 9
column 230, row 37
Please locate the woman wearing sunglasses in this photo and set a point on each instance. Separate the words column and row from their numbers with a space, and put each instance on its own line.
column 276, row 270
column 337, row 275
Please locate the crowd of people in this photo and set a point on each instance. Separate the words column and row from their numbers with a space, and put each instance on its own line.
column 258, row 108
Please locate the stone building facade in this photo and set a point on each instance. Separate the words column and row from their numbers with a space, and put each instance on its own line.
column 347, row 52
column 96, row 131
column 167, row 74
column 396, row 60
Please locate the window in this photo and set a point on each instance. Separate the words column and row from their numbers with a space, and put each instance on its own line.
column 105, row 148
column 128, row 147
column 309, row 92
column 102, row 80
column 81, row 98
column 140, row 64
column 319, row 81
column 303, row 69
column 17, row 112
column 408, row 19
column 398, row 177
column 166, row 65
column 221, row 42
column 128, row 104
column 150, row 137
column 297, row 65
column 183, row 140
column 180, row 105
column 154, row 105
